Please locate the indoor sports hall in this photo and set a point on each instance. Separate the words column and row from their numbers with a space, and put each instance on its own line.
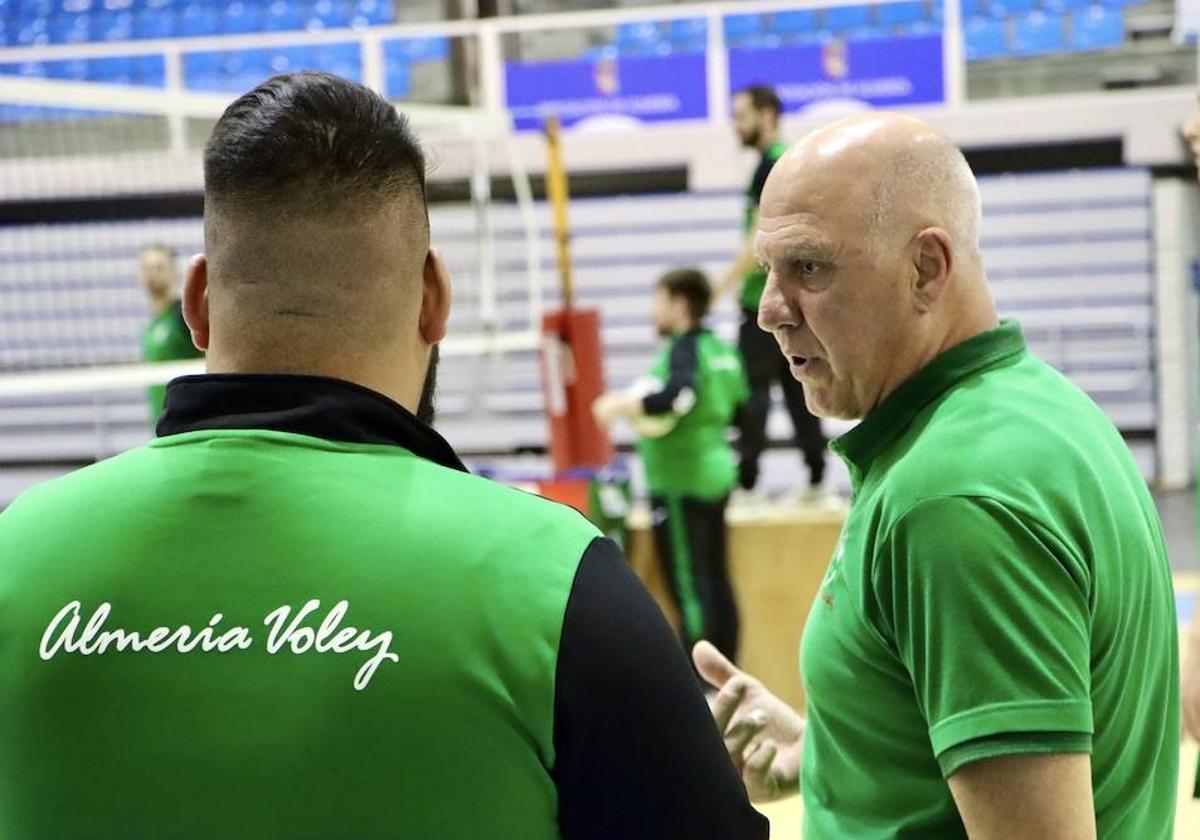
column 658, row 241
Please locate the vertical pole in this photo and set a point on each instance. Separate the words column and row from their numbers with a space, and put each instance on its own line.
column 557, row 193
column 954, row 64
column 717, row 69
column 173, row 77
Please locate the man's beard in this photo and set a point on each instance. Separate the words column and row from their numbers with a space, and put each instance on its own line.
column 425, row 408
column 750, row 138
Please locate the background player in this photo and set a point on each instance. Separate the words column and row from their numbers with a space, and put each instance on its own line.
column 683, row 411
column 166, row 337
column 756, row 120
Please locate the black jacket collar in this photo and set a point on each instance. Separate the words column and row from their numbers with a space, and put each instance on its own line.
column 316, row 406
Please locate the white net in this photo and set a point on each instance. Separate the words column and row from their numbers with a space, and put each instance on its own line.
column 84, row 191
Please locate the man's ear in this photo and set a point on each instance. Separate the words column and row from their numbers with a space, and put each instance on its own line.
column 435, row 298
column 195, row 300
column 934, row 263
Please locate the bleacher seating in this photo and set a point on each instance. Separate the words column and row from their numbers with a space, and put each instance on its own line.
column 1038, row 33
column 991, row 29
column 32, row 22
column 985, row 38
column 641, row 38
column 1097, row 28
column 743, row 30
column 689, row 35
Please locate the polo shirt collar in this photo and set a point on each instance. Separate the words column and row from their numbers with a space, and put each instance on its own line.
column 315, row 406
column 879, row 429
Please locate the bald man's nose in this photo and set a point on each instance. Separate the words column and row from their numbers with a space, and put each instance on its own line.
column 773, row 309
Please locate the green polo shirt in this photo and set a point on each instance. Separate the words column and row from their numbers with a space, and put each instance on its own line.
column 1001, row 587
column 166, row 339
column 754, row 282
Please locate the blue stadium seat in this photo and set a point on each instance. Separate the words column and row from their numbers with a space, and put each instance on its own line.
column 902, row 14
column 688, row 35
column 970, row 9
column 1098, row 28
column 240, row 18
column 343, row 60
column 329, row 14
column 643, row 37
column 197, row 19
column 743, row 30
column 792, row 26
column 113, row 25
column 291, row 59
column 918, row 27
column 112, row 71
column 1061, row 6
column 73, row 70
column 418, row 49
column 1012, row 8
column 371, row 13
column 152, row 22
column 31, row 33
column 29, row 70
column 399, row 80
column 203, row 70
column 283, row 16
column 246, row 62
column 865, row 33
column 70, row 27
column 985, row 38
column 845, row 18
column 148, row 70
column 1038, row 33
column 28, row 10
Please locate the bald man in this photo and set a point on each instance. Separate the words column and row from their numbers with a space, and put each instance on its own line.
column 992, row 653
column 295, row 614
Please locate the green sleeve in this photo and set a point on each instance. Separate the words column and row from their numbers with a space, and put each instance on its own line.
column 989, row 615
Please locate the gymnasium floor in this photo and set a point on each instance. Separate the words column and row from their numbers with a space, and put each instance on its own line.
column 1178, row 512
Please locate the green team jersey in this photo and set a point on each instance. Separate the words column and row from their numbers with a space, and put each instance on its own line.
column 700, row 379
column 166, row 339
column 1001, row 587
column 296, row 615
column 755, row 280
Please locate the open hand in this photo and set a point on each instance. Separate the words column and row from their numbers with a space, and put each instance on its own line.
column 763, row 735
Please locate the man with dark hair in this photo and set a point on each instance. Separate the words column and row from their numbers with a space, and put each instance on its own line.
column 682, row 412
column 166, row 337
column 756, row 112
column 355, row 637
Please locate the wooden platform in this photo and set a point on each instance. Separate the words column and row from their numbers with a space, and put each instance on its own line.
column 777, row 557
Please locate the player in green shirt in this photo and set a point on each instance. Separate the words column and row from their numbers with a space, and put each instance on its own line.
column 295, row 614
column 756, row 118
column 166, row 337
column 993, row 651
column 683, row 411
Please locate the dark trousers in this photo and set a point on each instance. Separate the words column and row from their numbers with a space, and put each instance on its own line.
column 691, row 541
column 764, row 365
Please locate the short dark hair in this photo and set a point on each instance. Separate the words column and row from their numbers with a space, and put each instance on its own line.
column 762, row 98
column 312, row 137
column 692, row 285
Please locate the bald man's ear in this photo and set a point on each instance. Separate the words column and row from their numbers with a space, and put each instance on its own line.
column 195, row 300
column 934, row 265
column 435, row 298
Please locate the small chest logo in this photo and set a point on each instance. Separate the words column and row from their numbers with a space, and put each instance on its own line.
column 833, row 573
